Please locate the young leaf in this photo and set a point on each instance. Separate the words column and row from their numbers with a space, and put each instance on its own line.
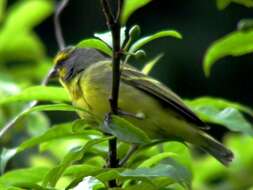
column 90, row 183
column 26, row 47
column 143, row 41
column 2, row 9
column 41, row 93
column 126, row 131
column 107, row 37
column 149, row 66
column 156, row 159
column 5, row 156
column 235, row 44
column 27, row 110
column 134, row 32
column 84, row 169
column 245, row 25
column 24, row 176
column 218, row 103
column 9, row 187
column 76, row 154
column 53, row 107
column 229, row 117
column 97, row 44
column 37, row 123
column 19, row 20
column 222, row 4
column 173, row 171
column 56, row 132
column 130, row 6
column 109, row 174
column 79, row 172
column 223, row 113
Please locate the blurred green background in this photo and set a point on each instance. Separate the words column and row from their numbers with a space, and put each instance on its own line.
column 199, row 21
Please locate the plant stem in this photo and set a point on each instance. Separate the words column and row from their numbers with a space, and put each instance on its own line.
column 113, row 23
column 57, row 26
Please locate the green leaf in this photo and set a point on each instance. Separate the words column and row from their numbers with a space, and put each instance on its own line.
column 181, row 153
column 109, row 174
column 24, row 176
column 173, row 171
column 126, row 131
column 130, row 6
column 97, row 44
column 25, row 15
column 142, row 186
column 56, row 132
column 229, row 117
column 23, row 47
column 21, row 19
column 134, row 32
column 2, row 9
column 219, row 103
column 84, row 169
column 243, row 152
column 54, row 107
column 8, row 187
column 78, row 172
column 149, row 66
column 156, row 159
column 222, row 4
column 5, row 156
column 37, row 123
column 90, row 183
column 143, row 41
column 223, row 113
column 41, row 93
column 245, row 24
column 234, row 44
column 107, row 37
column 30, row 109
column 76, row 154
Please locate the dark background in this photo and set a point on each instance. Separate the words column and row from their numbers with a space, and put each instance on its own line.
column 200, row 23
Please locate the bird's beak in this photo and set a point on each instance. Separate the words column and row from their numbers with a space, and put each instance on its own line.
column 53, row 73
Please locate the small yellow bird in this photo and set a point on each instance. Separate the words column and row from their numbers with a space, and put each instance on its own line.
column 87, row 76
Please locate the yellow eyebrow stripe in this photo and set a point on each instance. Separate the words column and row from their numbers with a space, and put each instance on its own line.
column 60, row 56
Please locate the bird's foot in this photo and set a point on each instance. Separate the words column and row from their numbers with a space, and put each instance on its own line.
column 138, row 115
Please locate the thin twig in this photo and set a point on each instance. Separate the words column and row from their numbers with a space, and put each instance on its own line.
column 61, row 44
column 113, row 23
column 107, row 12
column 57, row 26
column 119, row 11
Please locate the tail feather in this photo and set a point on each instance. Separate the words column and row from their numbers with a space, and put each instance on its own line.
column 216, row 149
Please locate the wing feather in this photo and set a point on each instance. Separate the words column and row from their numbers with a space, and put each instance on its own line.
column 166, row 96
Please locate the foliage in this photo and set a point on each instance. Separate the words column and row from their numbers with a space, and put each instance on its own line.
column 222, row 4
column 235, row 44
column 130, row 7
column 72, row 154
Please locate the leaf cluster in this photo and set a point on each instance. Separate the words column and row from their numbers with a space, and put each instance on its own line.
column 72, row 155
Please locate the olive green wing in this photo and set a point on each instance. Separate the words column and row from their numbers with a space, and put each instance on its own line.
column 167, row 97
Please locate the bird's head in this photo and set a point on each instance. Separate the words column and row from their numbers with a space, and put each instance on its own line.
column 71, row 61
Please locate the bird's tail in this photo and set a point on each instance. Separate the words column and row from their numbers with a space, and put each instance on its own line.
column 216, row 149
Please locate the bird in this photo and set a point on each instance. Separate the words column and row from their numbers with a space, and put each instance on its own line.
column 86, row 74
